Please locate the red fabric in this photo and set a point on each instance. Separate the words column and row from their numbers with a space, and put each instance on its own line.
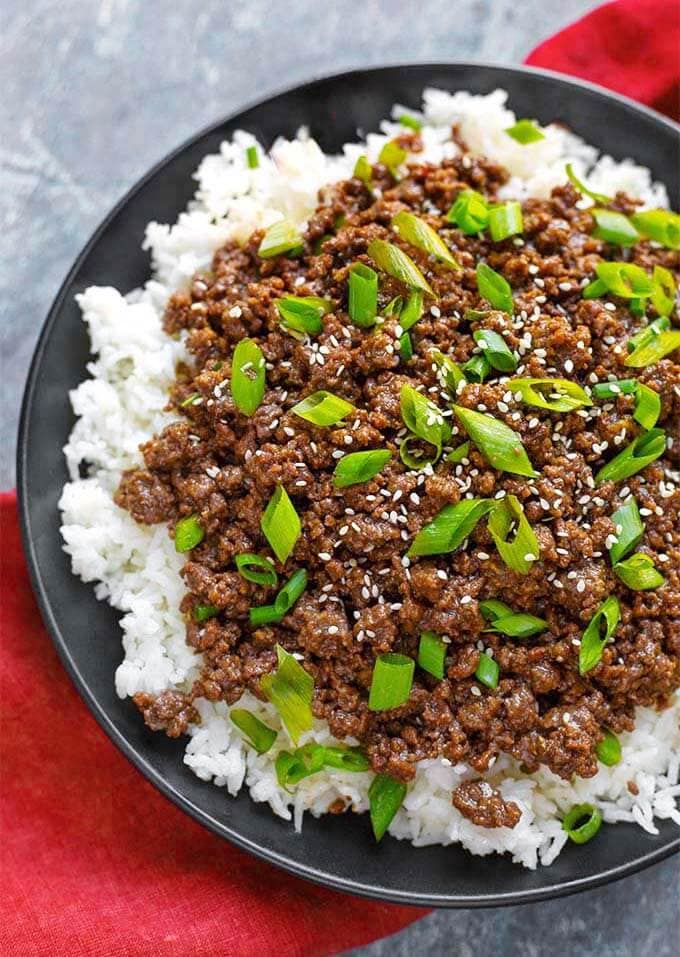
column 93, row 859
column 631, row 46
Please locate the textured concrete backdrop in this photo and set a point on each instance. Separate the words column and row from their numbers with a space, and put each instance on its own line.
column 93, row 93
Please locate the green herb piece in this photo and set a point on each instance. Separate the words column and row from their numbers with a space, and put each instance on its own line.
column 629, row 530
column 496, row 350
column 412, row 122
column 204, row 612
column 477, row 368
column 647, row 406
column 247, row 376
column 639, row 572
column 256, row 732
column 470, row 212
column 364, row 171
column 363, row 294
column 385, row 796
column 392, row 260
column 557, row 395
column 360, row 467
column 303, row 314
column 423, row 418
column 513, row 535
column 665, row 292
column 518, row 625
column 293, row 767
column 284, row 601
column 432, row 654
column 450, row 373
column 625, row 280
column 642, row 451
column 188, row 533
column 247, row 564
column 493, row 608
column 599, row 631
column 609, row 749
column 391, row 682
column 252, row 159
column 648, row 333
column 525, row 132
column 450, row 527
column 459, row 453
column 417, row 232
column 661, row 225
column 392, row 155
column 412, row 310
column 494, row 288
column 280, row 524
column 499, row 444
column 614, row 227
column 290, row 689
column 614, row 388
column 505, row 221
column 655, row 349
column 582, row 823
column 583, row 189
column 323, row 408
column 405, row 347
column 283, row 238
column 487, row 671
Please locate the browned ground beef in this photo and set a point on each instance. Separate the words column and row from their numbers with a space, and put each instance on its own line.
column 363, row 597
column 484, row 805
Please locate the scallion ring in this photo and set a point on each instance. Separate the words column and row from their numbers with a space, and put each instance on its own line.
column 280, row 524
column 598, row 633
column 494, row 288
column 525, row 132
column 247, row 376
column 582, row 823
column 505, row 221
column 290, row 689
column 323, row 408
column 641, row 452
column 394, row 261
column 256, row 732
column 358, row 467
column 283, row 238
column 450, row 527
column 499, row 444
column 363, row 294
column 432, row 654
column 188, row 533
column 391, row 681
column 385, row 797
column 639, row 573
column 495, row 348
column 248, row 565
column 513, row 535
column 557, row 395
column 419, row 234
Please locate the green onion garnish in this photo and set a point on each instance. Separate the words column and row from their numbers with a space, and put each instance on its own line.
column 405, row 347
column 477, row 368
column 247, row 376
column 392, row 155
column 417, row 459
column 524, row 132
column 450, row 372
column 281, row 238
column 363, row 294
column 499, row 444
column 391, row 682
column 252, row 159
column 423, row 418
column 284, row 601
column 665, row 291
column 643, row 450
column 614, row 388
column 614, row 227
column 558, row 395
column 290, row 690
column 639, row 572
column 625, row 280
column 582, row 823
column 496, row 350
column 487, row 671
column 432, row 654
column 281, row 524
column 292, row 767
column 204, row 612
column 412, row 310
column 629, row 530
column 323, row 408
column 257, row 733
column 583, row 189
column 392, row 260
column 346, row 759
column 494, row 288
column 609, row 749
column 412, row 122
column 470, row 212
column 513, row 535
column 648, row 333
column 247, row 564
column 188, row 533
column 600, row 629
column 303, row 313
column 655, row 349
column 459, row 453
column 505, row 221
column 518, row 625
column 360, row 467
column 364, row 171
column 417, row 232
column 661, row 225
column 647, row 406
column 385, row 795
column 493, row 608
column 450, row 527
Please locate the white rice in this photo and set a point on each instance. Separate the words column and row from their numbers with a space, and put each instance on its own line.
column 136, row 568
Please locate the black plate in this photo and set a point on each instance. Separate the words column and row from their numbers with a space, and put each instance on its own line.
column 336, row 851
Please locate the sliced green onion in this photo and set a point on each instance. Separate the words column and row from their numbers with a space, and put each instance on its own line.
column 518, row 625
column 417, row 232
column 614, row 227
column 600, row 629
column 524, row 132
column 364, row 171
column 293, row 767
column 641, row 452
column 657, row 348
column 264, row 615
column 290, row 689
column 346, row 759
column 391, row 682
column 582, row 188
column 614, row 388
column 363, row 294
column 629, row 530
column 496, row 350
column 392, row 155
column 558, row 395
column 280, row 524
column 423, row 418
column 639, row 572
column 247, row 563
column 418, row 459
column 470, row 212
column 661, row 225
column 598, row 288
column 487, row 671
column 505, row 221
column 625, row 280
column 204, row 612
column 284, row 601
column 385, row 796
column 303, row 313
column 648, row 333
column 412, row 310
column 188, row 533
column 609, row 749
column 405, row 347
column 360, row 467
column 247, row 376
column 450, row 527
column 450, row 373
column 638, row 307
column 477, row 368
column 459, row 453
column 323, row 408
column 280, row 239
column 514, row 537
column 252, row 159
column 647, row 406
column 494, row 288
column 258, row 734
column 394, row 261
column 493, row 608
column 432, row 654
column 194, row 399
column 664, row 296
column 412, row 122
column 499, row 444
column 582, row 823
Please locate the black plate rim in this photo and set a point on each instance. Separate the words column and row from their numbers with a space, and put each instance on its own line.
column 355, row 886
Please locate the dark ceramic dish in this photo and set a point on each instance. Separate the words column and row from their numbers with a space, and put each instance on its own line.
column 336, row 851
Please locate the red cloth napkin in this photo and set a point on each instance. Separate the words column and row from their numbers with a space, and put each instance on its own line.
column 93, row 859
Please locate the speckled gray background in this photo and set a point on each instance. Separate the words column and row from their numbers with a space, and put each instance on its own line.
column 92, row 94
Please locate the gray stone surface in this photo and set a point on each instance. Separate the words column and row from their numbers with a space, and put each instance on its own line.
column 93, row 93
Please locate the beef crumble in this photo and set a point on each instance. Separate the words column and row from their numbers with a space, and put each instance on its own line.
column 364, row 596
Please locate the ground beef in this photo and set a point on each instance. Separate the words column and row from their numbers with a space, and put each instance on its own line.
column 364, row 598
